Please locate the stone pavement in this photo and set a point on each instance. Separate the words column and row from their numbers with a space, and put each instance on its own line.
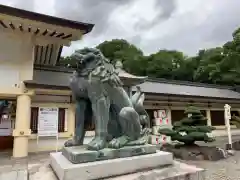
column 226, row 169
column 14, row 175
column 36, row 167
column 19, row 169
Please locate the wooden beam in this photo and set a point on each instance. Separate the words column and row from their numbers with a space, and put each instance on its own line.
column 53, row 91
column 76, row 33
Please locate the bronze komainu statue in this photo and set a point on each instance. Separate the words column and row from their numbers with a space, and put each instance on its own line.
column 100, row 97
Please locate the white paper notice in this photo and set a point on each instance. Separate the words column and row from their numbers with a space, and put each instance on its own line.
column 48, row 122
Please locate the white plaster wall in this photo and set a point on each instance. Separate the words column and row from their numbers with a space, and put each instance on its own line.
column 10, row 75
column 10, row 48
column 16, row 59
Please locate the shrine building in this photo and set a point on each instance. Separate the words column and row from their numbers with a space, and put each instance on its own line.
column 30, row 40
column 174, row 96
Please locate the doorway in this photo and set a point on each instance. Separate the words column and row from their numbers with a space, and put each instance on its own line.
column 7, row 119
column 6, row 143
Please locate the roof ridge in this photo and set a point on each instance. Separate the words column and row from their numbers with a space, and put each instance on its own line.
column 189, row 83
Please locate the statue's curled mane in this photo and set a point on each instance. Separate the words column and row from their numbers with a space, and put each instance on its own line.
column 93, row 63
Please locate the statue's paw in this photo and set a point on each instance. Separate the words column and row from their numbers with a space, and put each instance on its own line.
column 96, row 144
column 117, row 143
column 70, row 143
column 138, row 142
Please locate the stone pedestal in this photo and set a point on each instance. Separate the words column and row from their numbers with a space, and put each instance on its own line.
column 157, row 166
column 80, row 154
column 65, row 170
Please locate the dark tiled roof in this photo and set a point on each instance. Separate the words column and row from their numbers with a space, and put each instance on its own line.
column 59, row 77
column 188, row 89
column 45, row 18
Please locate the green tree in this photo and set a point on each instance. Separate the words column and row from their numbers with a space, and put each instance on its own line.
column 166, row 64
column 221, row 65
column 137, row 66
column 188, row 68
column 190, row 129
column 229, row 68
column 119, row 49
column 209, row 62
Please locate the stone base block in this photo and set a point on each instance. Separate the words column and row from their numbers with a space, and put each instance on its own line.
column 80, row 154
column 65, row 170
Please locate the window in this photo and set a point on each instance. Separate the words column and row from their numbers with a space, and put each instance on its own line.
column 217, row 118
column 34, row 119
column 177, row 115
column 151, row 116
column 61, row 119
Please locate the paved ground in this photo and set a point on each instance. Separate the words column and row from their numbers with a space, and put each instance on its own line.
column 13, row 169
column 227, row 169
column 37, row 167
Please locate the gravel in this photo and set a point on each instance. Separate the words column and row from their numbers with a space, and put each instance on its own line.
column 227, row 169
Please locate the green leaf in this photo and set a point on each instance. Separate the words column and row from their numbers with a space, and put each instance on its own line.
column 167, row 132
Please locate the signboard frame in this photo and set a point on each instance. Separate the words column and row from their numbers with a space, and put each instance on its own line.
column 48, row 123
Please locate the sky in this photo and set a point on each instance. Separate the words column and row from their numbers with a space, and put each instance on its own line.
column 151, row 25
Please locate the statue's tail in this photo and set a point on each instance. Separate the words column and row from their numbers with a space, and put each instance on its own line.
column 137, row 101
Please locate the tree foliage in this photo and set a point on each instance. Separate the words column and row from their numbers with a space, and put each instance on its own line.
column 119, row 49
column 219, row 65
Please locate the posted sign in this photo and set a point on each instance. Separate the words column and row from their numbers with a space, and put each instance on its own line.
column 48, row 121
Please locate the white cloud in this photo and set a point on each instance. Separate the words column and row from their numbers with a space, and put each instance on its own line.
column 151, row 25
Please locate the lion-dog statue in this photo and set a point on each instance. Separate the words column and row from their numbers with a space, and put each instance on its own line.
column 100, row 97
